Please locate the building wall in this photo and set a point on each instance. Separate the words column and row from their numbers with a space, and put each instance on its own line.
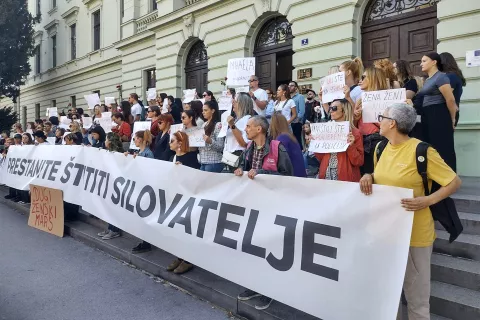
column 143, row 39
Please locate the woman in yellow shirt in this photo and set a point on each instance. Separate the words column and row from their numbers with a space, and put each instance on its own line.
column 397, row 167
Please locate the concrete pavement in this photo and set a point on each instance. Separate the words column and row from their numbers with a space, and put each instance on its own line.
column 43, row 277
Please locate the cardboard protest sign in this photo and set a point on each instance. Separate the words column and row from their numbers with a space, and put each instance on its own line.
column 374, row 103
column 239, row 71
column 329, row 137
column 109, row 100
column 92, row 100
column 195, row 138
column 332, row 87
column 189, row 95
column 46, row 210
column 139, row 126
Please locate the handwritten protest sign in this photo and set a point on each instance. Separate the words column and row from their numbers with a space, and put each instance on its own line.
column 239, row 71
column 65, row 122
column 374, row 103
column 151, row 94
column 139, row 126
column 87, row 122
column 165, row 106
column 225, row 102
column 46, row 210
column 329, row 137
column 224, row 117
column 92, row 100
column 109, row 100
column 52, row 112
column 175, row 128
column 189, row 95
column 195, row 138
column 242, row 89
column 332, row 87
column 105, row 123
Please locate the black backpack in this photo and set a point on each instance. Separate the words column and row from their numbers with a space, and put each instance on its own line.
column 444, row 211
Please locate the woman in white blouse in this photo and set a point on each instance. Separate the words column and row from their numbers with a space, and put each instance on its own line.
column 236, row 139
column 284, row 104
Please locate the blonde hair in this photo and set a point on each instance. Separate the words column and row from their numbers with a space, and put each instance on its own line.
column 419, row 81
column 75, row 126
column 333, row 69
column 377, row 79
column 355, row 66
column 145, row 135
column 347, row 111
column 279, row 125
column 387, row 67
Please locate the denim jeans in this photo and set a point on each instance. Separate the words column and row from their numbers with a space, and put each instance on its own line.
column 212, row 167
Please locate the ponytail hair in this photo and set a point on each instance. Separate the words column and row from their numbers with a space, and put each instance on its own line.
column 355, row 66
column 146, row 135
column 182, row 138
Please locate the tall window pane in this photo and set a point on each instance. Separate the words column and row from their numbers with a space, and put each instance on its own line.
column 73, row 40
column 54, row 51
column 37, row 60
column 96, row 30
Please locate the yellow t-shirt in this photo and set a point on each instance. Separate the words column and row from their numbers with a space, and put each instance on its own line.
column 397, row 167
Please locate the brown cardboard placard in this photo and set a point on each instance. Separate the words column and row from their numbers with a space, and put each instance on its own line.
column 46, row 210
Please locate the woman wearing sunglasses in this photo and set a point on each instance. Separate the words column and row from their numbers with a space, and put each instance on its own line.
column 208, row 96
column 162, row 149
column 373, row 79
column 343, row 166
column 153, row 112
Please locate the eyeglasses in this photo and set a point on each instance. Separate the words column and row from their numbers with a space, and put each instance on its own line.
column 250, row 81
column 380, row 118
column 333, row 108
column 363, row 77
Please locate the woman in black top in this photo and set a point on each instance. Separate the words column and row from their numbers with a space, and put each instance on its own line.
column 457, row 80
column 99, row 136
column 162, row 148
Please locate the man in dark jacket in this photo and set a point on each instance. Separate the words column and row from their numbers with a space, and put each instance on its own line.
column 259, row 158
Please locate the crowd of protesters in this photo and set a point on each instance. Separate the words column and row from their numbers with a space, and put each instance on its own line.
column 269, row 133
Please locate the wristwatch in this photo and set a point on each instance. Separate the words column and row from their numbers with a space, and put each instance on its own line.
column 254, row 98
column 233, row 127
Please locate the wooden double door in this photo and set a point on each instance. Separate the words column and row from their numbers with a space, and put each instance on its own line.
column 407, row 36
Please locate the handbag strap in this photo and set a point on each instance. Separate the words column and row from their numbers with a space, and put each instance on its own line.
column 421, row 159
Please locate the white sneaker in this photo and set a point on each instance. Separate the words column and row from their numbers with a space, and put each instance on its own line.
column 111, row 235
column 103, row 233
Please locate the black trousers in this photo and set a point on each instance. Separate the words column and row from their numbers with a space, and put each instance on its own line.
column 438, row 131
column 297, row 132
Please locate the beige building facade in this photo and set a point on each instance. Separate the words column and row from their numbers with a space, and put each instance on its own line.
column 124, row 46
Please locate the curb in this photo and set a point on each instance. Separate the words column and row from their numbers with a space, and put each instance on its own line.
column 199, row 282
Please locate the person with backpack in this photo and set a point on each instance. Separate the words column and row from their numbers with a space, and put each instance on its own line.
column 398, row 165
column 262, row 156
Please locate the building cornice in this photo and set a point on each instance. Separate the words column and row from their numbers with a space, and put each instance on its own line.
column 89, row 3
column 51, row 27
column 73, row 11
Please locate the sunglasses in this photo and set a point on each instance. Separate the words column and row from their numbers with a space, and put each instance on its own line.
column 380, row 118
column 333, row 108
column 249, row 81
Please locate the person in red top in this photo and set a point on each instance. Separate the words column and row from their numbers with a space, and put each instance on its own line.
column 123, row 129
column 153, row 112
column 343, row 166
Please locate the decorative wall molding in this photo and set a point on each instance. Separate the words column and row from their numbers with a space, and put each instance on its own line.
column 189, row 21
column 51, row 27
column 70, row 16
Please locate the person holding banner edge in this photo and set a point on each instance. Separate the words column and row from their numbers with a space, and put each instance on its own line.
column 259, row 158
column 343, row 166
column 398, row 167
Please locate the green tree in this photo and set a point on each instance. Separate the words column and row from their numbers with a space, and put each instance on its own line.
column 16, row 45
column 8, row 117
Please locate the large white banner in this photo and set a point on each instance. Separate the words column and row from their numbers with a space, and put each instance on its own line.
column 333, row 252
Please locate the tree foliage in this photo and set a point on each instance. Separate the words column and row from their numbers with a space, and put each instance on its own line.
column 8, row 117
column 16, row 45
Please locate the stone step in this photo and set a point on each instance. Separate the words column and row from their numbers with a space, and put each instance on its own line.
column 454, row 302
column 467, row 202
column 470, row 222
column 466, row 246
column 456, row 271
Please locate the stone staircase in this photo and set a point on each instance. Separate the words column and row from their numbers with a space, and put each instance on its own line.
column 456, row 266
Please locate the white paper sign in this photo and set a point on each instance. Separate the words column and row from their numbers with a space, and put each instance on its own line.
column 65, row 122
column 374, row 103
column 332, row 87
column 328, row 137
column 105, row 123
column 51, row 140
column 109, row 100
column 242, row 89
column 348, row 260
column 92, row 100
column 189, row 95
column 107, row 115
column 165, row 106
column 52, row 112
column 151, row 94
column 225, row 102
column 239, row 71
column 472, row 58
column 223, row 130
column 139, row 126
column 87, row 122
column 195, row 138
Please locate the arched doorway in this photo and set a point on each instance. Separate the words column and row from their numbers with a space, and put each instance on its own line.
column 273, row 53
column 196, row 68
column 399, row 29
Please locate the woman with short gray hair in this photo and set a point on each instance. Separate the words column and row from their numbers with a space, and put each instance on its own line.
column 397, row 167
